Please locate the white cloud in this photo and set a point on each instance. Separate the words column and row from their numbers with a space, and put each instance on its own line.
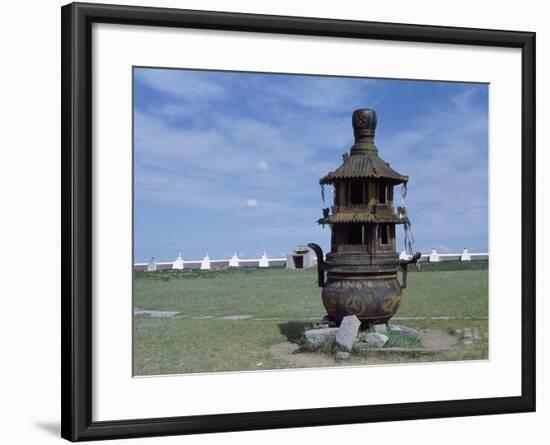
column 192, row 85
column 251, row 203
column 178, row 111
column 194, row 153
column 262, row 166
column 326, row 94
column 444, row 152
column 209, row 168
column 183, row 190
column 225, row 145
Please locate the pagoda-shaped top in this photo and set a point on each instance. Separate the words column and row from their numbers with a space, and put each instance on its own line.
column 363, row 161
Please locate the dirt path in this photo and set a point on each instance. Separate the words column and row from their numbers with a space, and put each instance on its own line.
column 436, row 339
column 433, row 340
column 286, row 351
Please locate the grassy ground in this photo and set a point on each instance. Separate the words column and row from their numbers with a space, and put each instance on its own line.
column 279, row 304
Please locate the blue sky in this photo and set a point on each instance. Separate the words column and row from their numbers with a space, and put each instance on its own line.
column 230, row 162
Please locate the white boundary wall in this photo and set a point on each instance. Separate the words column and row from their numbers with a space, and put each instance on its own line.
column 206, row 263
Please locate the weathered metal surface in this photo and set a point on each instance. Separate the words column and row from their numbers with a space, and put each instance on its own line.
column 371, row 300
column 320, row 263
column 359, row 217
column 361, row 268
column 364, row 161
column 364, row 166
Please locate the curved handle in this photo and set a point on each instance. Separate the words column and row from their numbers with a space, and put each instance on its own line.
column 404, row 266
column 320, row 263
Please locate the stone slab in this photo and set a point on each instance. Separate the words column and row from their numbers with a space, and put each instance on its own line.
column 381, row 329
column 317, row 337
column 363, row 347
column 155, row 314
column 347, row 332
column 403, row 330
column 375, row 339
column 235, row 317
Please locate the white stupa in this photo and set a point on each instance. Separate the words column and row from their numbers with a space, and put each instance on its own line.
column 465, row 255
column 404, row 256
column 264, row 262
column 178, row 263
column 205, row 263
column 234, row 261
column 152, row 265
column 434, row 256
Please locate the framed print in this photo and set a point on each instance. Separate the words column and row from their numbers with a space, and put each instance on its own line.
column 275, row 222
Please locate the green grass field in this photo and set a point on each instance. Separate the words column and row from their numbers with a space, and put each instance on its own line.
column 267, row 308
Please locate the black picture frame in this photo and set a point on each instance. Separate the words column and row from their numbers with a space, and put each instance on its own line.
column 76, row 248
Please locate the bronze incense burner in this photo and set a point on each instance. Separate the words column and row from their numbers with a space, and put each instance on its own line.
column 361, row 267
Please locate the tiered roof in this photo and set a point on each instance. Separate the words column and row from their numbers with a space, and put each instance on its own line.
column 363, row 162
column 364, row 166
